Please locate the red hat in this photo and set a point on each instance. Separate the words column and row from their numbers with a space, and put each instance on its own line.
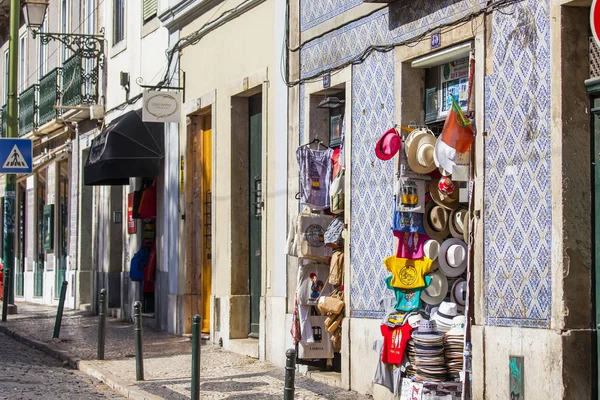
column 388, row 145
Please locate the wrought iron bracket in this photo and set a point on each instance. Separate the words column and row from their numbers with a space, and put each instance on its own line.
column 86, row 46
column 140, row 81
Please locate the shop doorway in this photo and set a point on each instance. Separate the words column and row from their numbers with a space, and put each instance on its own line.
column 199, row 219
column 63, row 228
column 255, row 221
column 20, row 259
column 38, row 276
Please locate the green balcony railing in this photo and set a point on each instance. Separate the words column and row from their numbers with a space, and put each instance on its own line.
column 3, row 116
column 49, row 96
column 79, row 81
column 27, row 110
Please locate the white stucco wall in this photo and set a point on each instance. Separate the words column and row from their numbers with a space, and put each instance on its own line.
column 251, row 56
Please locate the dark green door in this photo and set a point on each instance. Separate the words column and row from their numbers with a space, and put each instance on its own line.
column 20, row 262
column 255, row 186
column 594, row 90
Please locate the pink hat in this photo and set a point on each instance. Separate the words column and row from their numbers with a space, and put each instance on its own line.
column 388, row 145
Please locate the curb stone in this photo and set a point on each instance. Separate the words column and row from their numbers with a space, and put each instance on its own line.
column 121, row 386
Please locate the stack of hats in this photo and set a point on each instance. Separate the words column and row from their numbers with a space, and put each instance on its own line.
column 454, row 346
column 414, row 321
column 444, row 315
column 429, row 358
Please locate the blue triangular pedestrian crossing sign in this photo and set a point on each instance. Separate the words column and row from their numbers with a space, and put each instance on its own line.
column 16, row 156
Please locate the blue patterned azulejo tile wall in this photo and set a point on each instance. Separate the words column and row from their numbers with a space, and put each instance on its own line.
column 372, row 183
column 315, row 12
column 381, row 28
column 517, row 169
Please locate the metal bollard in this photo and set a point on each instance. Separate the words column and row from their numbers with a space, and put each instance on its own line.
column 137, row 327
column 102, row 324
column 196, row 357
column 5, row 294
column 290, row 374
column 59, row 312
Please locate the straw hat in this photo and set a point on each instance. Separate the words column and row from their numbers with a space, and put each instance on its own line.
column 420, row 151
column 435, row 221
column 436, row 292
column 457, row 222
column 453, row 257
column 448, row 201
column 466, row 225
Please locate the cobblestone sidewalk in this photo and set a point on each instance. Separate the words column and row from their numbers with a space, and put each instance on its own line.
column 167, row 360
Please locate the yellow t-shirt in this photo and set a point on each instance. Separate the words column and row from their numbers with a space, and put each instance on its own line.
column 408, row 274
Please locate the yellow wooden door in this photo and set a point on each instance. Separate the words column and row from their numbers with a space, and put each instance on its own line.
column 206, row 165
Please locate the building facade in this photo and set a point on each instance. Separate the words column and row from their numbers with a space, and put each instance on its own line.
column 60, row 97
column 530, row 272
column 253, row 76
column 226, row 180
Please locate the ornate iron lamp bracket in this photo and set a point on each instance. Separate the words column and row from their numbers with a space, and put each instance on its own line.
column 86, row 46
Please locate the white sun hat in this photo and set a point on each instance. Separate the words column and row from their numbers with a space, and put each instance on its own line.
column 431, row 249
column 458, row 326
column 414, row 320
column 436, row 292
column 444, row 315
column 453, row 257
column 457, row 222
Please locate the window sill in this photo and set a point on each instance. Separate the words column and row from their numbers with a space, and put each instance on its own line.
column 150, row 26
column 119, row 48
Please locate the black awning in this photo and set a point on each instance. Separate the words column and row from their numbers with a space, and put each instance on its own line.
column 126, row 148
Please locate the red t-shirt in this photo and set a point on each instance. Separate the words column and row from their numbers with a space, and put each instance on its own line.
column 335, row 159
column 394, row 343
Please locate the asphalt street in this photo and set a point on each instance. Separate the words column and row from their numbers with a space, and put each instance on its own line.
column 27, row 373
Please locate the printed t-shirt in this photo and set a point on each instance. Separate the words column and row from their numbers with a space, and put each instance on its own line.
column 410, row 245
column 408, row 222
column 408, row 274
column 394, row 343
column 315, row 177
column 407, row 300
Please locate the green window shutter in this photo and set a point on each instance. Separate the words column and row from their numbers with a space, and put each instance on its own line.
column 150, row 9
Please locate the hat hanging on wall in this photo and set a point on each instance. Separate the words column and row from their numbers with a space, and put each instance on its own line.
column 431, row 249
column 436, row 292
column 458, row 294
column 453, row 257
column 420, row 151
column 448, row 201
column 467, row 227
column 457, row 222
column 388, row 145
column 435, row 221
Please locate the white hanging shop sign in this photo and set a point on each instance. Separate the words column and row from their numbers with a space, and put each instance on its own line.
column 161, row 106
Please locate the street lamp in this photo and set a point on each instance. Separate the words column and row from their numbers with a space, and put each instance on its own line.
column 34, row 12
column 86, row 46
